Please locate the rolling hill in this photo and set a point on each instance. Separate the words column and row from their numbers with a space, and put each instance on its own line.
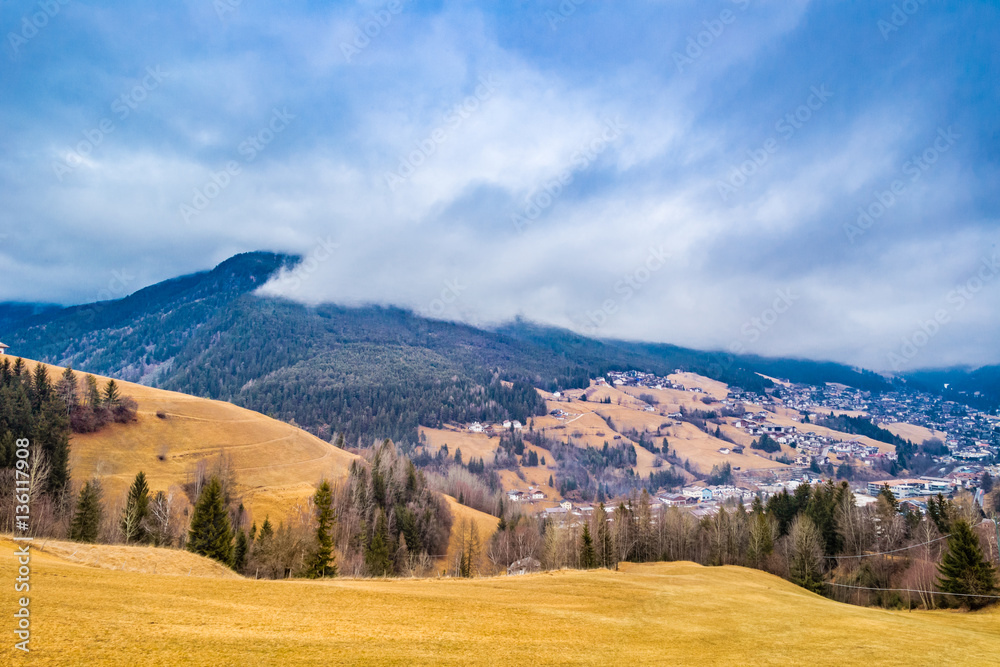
column 277, row 465
column 662, row 613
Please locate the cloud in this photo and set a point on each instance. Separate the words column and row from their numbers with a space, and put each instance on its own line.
column 478, row 164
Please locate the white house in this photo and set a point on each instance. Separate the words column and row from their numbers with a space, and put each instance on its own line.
column 3, row 349
column 476, row 427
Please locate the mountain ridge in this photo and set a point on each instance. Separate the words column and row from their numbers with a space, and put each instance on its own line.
column 367, row 371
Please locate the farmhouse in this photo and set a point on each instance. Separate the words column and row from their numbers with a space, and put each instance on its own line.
column 3, row 348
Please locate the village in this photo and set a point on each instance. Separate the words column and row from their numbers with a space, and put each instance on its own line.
column 970, row 440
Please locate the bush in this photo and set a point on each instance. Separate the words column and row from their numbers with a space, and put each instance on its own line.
column 124, row 410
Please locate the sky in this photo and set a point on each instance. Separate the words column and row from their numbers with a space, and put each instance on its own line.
column 793, row 178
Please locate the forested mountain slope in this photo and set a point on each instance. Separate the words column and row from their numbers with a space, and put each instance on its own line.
column 367, row 372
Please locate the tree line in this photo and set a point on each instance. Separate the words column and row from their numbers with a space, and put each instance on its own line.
column 32, row 406
column 816, row 537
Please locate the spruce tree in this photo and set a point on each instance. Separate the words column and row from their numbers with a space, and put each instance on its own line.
column 241, row 551
column 52, row 434
column 86, row 523
column 964, row 569
column 133, row 520
column 42, row 388
column 111, row 394
column 210, row 534
column 377, row 558
column 588, row 559
column 320, row 563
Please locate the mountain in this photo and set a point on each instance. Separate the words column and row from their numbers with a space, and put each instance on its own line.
column 13, row 313
column 366, row 372
column 979, row 387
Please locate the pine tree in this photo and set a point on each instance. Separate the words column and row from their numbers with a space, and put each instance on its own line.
column 377, row 558
column 320, row 563
column 241, row 551
column 133, row 520
column 588, row 559
column 52, row 433
column 111, row 394
column 86, row 523
column 210, row 534
column 42, row 388
column 964, row 569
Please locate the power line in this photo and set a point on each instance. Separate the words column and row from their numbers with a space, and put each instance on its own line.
column 912, row 546
column 914, row 590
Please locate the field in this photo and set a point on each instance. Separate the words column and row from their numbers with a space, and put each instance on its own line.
column 661, row 613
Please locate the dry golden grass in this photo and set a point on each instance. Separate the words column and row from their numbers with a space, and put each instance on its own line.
column 913, row 433
column 718, row 390
column 150, row 560
column 473, row 445
column 277, row 465
column 662, row 614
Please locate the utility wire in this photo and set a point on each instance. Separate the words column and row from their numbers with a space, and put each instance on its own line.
column 912, row 546
column 914, row 590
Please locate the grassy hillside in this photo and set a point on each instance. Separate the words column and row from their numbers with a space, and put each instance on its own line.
column 666, row 613
column 276, row 464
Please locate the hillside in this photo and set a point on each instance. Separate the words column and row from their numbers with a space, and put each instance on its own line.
column 663, row 613
column 276, row 464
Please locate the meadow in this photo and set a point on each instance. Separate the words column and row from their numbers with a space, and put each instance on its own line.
column 659, row 613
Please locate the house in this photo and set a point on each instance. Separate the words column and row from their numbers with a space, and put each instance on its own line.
column 3, row 349
column 537, row 495
column 675, row 500
column 698, row 493
column 526, row 565
column 516, row 496
column 566, row 505
column 476, row 427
